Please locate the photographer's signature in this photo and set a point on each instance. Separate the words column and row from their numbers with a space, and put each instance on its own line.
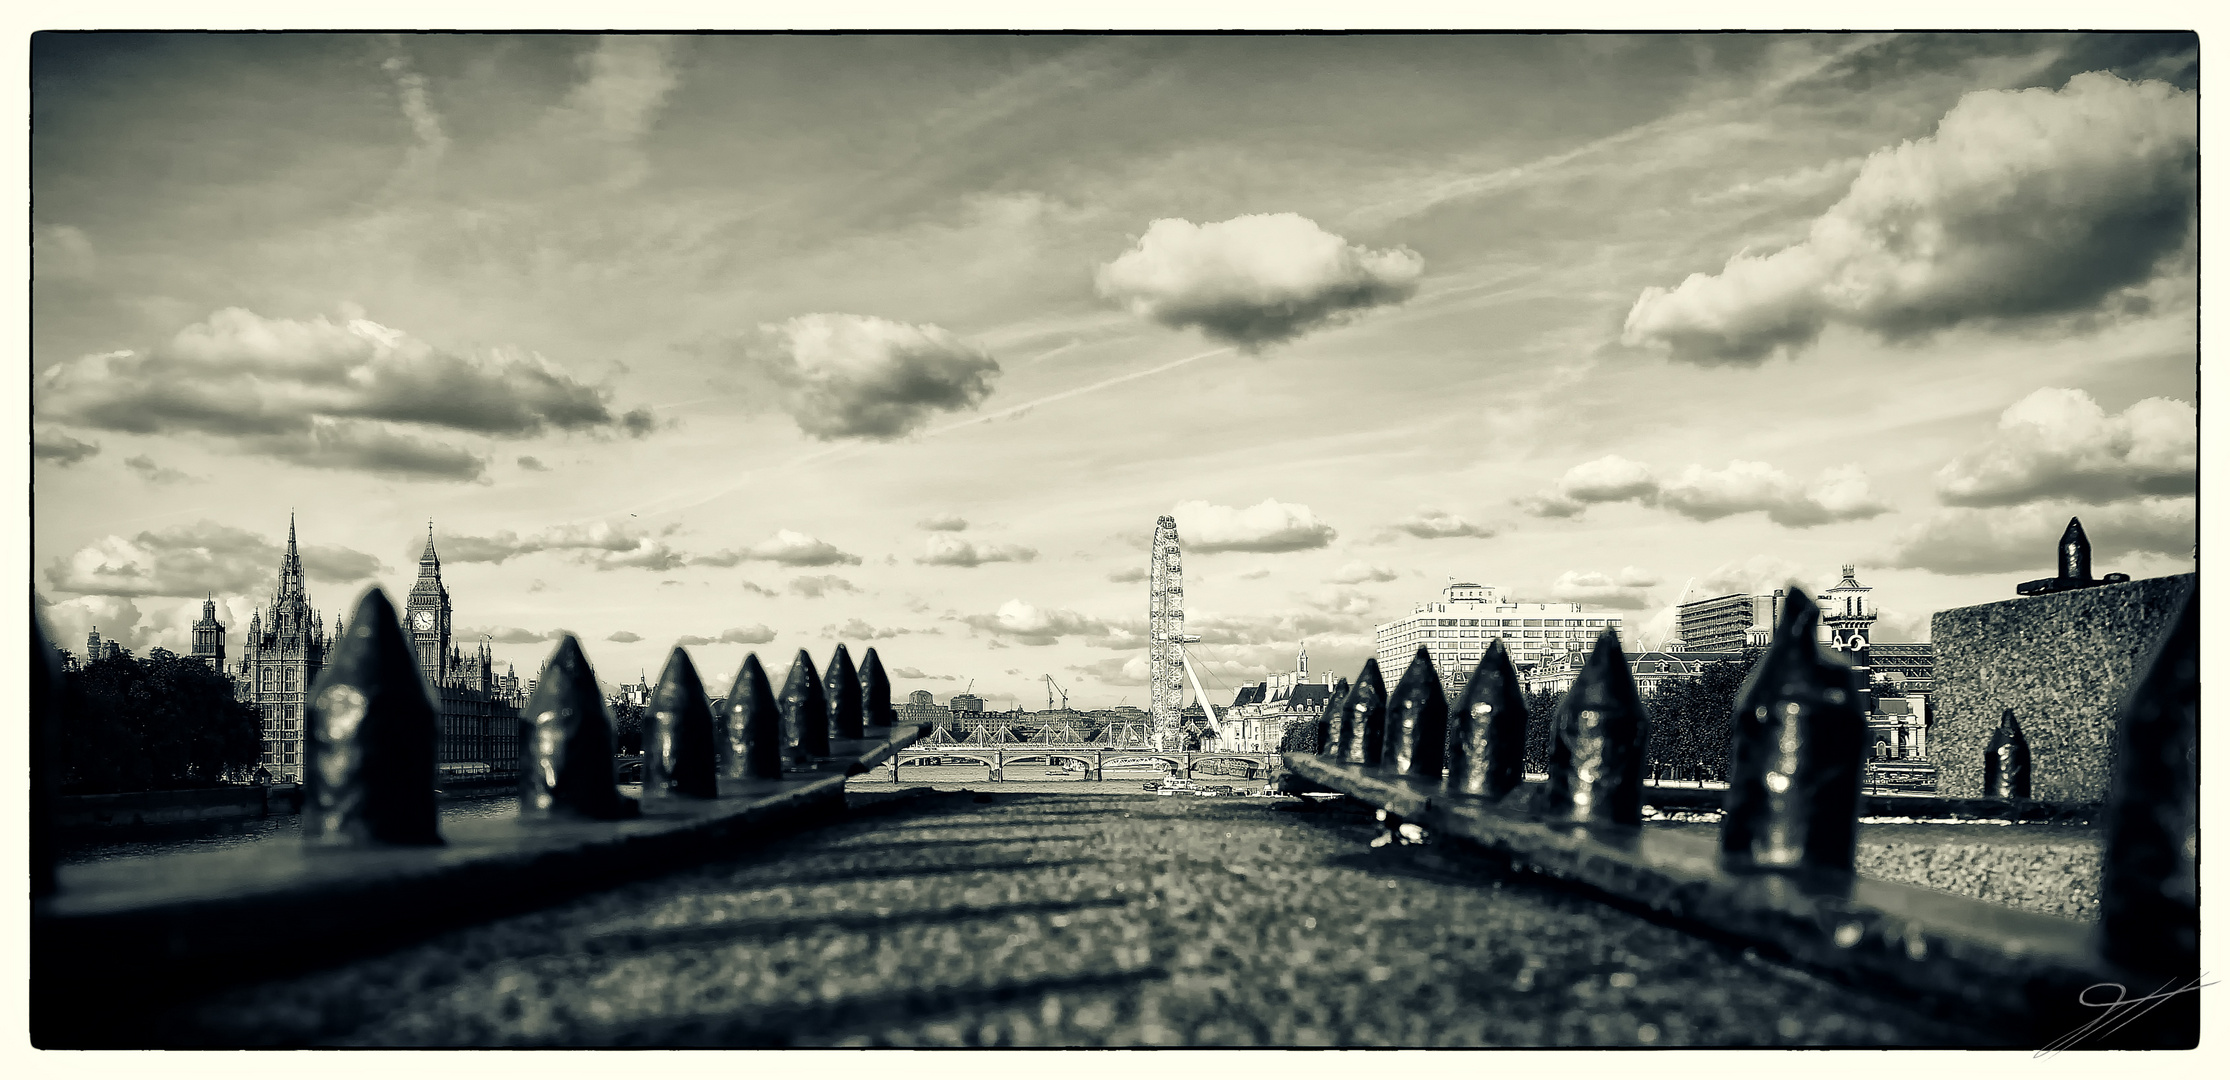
column 2118, row 1010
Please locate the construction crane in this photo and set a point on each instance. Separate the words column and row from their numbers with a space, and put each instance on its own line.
column 1051, row 688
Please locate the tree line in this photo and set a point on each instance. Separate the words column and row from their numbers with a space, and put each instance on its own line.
column 154, row 724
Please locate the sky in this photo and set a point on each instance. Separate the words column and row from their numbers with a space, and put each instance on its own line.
column 761, row 343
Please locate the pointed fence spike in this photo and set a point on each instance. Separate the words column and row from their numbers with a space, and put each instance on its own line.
column 1799, row 748
column 2149, row 888
column 2005, row 762
column 753, row 748
column 372, row 739
column 679, row 747
column 1363, row 735
column 805, row 713
column 1417, row 721
column 841, row 689
column 46, row 752
column 1596, row 742
column 2075, row 554
column 874, row 691
column 567, row 744
column 1486, row 729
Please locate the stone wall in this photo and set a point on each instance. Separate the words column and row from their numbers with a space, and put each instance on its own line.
column 235, row 802
column 2062, row 662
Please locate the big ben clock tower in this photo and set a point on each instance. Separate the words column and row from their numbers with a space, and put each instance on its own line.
column 426, row 616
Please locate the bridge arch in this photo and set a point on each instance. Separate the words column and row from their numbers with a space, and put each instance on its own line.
column 1257, row 764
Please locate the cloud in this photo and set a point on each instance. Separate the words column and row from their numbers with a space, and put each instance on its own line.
column 1255, row 280
column 2059, row 443
column 602, row 545
column 509, row 635
column 942, row 523
column 860, row 630
column 327, row 395
column 1117, row 670
column 532, row 464
column 1127, row 575
column 371, row 448
column 1431, row 524
column 624, row 636
column 1032, row 625
column 628, row 78
column 116, row 618
column 1358, row 571
column 1839, row 494
column 815, row 586
column 755, row 634
column 1628, row 590
column 425, row 122
column 955, row 551
column 62, row 253
column 2022, row 539
column 152, row 473
column 331, row 562
column 786, row 547
column 858, row 376
column 61, row 449
column 2023, row 202
column 1267, row 526
column 1756, row 574
column 754, row 587
column 190, row 560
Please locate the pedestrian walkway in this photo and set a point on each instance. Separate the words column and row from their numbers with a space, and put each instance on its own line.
column 1067, row 920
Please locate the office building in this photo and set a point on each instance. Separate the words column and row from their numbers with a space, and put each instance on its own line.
column 1456, row 629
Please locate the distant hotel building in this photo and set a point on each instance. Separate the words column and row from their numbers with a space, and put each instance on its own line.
column 1456, row 629
column 287, row 646
column 1899, row 675
column 1259, row 714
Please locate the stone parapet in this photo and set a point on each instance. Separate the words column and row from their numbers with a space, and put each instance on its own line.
column 2063, row 662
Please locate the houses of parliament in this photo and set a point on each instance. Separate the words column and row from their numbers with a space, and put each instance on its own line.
column 286, row 646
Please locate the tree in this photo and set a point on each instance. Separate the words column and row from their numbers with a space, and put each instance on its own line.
column 627, row 724
column 150, row 725
column 1691, row 721
column 1540, row 715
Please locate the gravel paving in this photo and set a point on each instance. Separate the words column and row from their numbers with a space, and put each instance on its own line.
column 1067, row 920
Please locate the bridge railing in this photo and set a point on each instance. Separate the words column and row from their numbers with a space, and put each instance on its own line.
column 376, row 866
column 1779, row 876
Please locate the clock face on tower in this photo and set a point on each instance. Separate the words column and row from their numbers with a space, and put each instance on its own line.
column 424, row 620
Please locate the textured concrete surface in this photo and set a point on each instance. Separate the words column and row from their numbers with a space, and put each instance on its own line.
column 1067, row 920
column 2062, row 663
column 2052, row 869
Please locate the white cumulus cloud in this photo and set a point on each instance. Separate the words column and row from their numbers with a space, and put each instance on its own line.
column 2058, row 442
column 2023, row 202
column 1266, row 526
column 1628, row 589
column 857, row 376
column 1841, row 493
column 946, row 550
column 1257, row 279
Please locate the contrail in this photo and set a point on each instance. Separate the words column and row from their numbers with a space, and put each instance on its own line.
column 1066, row 394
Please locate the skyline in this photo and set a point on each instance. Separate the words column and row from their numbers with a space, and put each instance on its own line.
column 688, row 339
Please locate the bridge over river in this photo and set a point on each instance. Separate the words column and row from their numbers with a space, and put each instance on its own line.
column 1096, row 760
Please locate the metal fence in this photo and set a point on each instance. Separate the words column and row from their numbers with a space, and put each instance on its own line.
column 1780, row 873
column 376, row 868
